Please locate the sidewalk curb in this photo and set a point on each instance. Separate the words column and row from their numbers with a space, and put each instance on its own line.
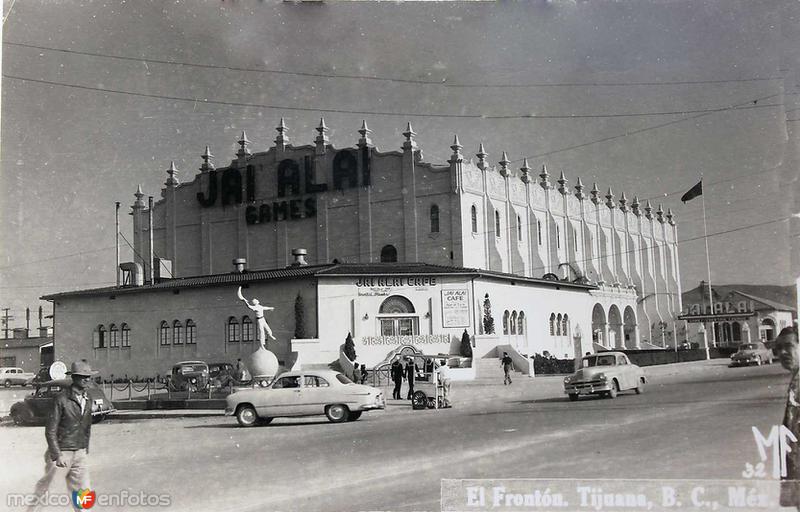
column 163, row 414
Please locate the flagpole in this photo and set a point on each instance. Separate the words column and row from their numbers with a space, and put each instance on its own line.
column 708, row 263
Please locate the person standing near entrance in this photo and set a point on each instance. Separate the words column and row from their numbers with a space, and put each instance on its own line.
column 508, row 366
column 397, row 378
column 67, row 432
column 443, row 374
column 411, row 374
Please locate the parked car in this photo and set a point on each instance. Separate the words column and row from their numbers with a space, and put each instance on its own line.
column 36, row 406
column 189, row 376
column 605, row 373
column 10, row 376
column 43, row 375
column 221, row 375
column 304, row 393
column 752, row 353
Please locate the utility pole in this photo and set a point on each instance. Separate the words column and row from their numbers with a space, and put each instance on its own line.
column 5, row 319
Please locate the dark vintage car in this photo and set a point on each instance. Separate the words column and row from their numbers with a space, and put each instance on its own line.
column 36, row 406
column 752, row 353
column 190, row 376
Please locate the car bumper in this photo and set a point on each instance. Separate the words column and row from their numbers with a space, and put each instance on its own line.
column 586, row 388
column 378, row 403
column 744, row 362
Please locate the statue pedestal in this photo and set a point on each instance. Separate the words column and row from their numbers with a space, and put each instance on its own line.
column 263, row 365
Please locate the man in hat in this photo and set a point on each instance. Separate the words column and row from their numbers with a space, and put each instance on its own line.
column 789, row 355
column 67, row 432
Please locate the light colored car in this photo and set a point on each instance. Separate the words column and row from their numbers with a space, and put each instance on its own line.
column 752, row 353
column 11, row 376
column 304, row 393
column 605, row 373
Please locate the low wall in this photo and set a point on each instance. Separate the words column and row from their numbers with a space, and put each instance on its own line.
column 310, row 351
column 654, row 357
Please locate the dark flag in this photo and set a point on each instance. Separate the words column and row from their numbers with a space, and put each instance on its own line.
column 693, row 192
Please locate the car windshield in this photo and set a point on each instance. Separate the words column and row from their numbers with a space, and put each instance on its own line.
column 749, row 346
column 588, row 362
column 344, row 380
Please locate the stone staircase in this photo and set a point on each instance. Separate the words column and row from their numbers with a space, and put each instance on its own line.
column 489, row 371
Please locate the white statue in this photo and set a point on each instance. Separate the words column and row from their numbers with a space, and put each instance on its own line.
column 263, row 328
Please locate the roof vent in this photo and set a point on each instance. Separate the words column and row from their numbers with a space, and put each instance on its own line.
column 132, row 274
column 299, row 257
column 240, row 264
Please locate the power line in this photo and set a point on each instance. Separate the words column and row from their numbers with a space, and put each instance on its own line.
column 707, row 111
column 724, row 180
column 441, row 82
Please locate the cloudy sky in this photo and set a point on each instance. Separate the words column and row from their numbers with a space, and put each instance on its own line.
column 640, row 96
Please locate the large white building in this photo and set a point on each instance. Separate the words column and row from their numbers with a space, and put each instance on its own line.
column 557, row 260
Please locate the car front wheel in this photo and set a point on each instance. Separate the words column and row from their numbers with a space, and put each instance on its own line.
column 612, row 392
column 337, row 413
column 7, row 383
column 640, row 387
column 246, row 416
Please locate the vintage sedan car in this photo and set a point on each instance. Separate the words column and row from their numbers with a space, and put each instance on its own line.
column 604, row 373
column 304, row 393
column 752, row 353
column 36, row 406
column 12, row 376
column 189, row 376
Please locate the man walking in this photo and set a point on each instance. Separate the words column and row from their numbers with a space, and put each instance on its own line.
column 443, row 374
column 67, row 432
column 411, row 373
column 508, row 366
column 397, row 378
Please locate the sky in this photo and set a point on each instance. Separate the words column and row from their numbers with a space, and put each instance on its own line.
column 641, row 96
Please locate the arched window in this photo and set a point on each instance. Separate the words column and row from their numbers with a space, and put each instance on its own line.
column 191, row 332
column 558, row 325
column 552, row 324
column 177, row 333
column 233, row 330
column 766, row 331
column 539, row 231
column 558, row 236
column 474, row 215
column 565, row 325
column 521, row 323
column 247, row 329
column 736, row 331
column 434, row 219
column 388, row 254
column 505, row 322
column 497, row 223
column 125, row 331
column 396, row 305
column 101, row 337
column 519, row 229
column 575, row 239
column 726, row 332
column 513, row 324
column 163, row 333
column 113, row 335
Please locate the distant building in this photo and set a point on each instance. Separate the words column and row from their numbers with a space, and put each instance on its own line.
column 28, row 353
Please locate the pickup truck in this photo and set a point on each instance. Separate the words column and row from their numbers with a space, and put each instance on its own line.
column 10, row 376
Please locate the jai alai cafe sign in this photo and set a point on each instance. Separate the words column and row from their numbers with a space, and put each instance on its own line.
column 721, row 312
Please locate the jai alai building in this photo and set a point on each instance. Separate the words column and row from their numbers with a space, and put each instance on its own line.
column 394, row 250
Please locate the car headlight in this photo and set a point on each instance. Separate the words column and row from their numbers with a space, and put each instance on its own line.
column 602, row 376
column 567, row 380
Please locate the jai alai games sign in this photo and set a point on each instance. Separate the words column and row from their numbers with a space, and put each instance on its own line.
column 721, row 312
column 295, row 182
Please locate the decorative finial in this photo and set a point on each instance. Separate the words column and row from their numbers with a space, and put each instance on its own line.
column 579, row 190
column 623, row 202
column 243, row 143
column 562, row 184
column 648, row 210
column 481, row 154
column 456, row 147
column 364, row 131
column 139, row 203
column 635, row 206
column 409, row 134
column 610, row 199
column 207, row 164
column 660, row 213
column 670, row 217
column 544, row 177
column 172, row 181
column 282, row 139
column 504, row 161
column 525, row 169
column 322, row 138
column 595, row 192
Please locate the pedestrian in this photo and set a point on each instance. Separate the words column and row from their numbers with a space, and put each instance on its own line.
column 508, row 365
column 67, row 433
column 411, row 374
column 356, row 373
column 363, row 374
column 397, row 378
column 240, row 370
column 443, row 373
column 789, row 355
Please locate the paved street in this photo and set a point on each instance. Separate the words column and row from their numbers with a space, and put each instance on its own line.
column 693, row 421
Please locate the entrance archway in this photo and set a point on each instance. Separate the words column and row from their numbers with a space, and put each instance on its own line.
column 631, row 328
column 615, row 337
column 599, row 325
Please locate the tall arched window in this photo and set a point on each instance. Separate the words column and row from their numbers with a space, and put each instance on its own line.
column 736, row 331
column 247, row 329
column 191, row 332
column 474, row 216
column 163, row 333
column 505, row 322
column 434, row 219
column 497, row 223
column 521, row 323
column 558, row 325
column 233, row 330
column 388, row 254
column 565, row 325
column 552, row 324
column 177, row 333
column 513, row 323
column 726, row 332
column 125, row 337
column 539, row 231
column 558, row 236
column 519, row 229
column 101, row 336
column 113, row 335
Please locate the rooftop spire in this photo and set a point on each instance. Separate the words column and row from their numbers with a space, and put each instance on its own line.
column 623, row 202
column 322, row 138
column 481, row 154
column 562, row 184
column 172, row 181
column 648, row 210
column 243, row 143
column 579, row 190
column 670, row 217
column 138, row 203
column 595, row 192
column 456, row 147
column 635, row 206
column 364, row 131
column 610, row 199
column 525, row 169
column 207, row 164
column 660, row 213
column 282, row 139
column 504, row 165
column 409, row 134
column 544, row 177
